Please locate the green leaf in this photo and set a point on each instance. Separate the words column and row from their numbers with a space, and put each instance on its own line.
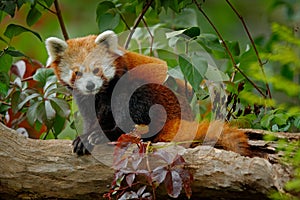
column 200, row 64
column 61, row 106
column 33, row 112
column 27, row 99
column 210, row 41
column 50, row 112
column 103, row 7
column 42, row 75
column 58, row 125
column 234, row 48
column 297, row 122
column 266, row 121
column 192, row 32
column 4, row 83
column 174, row 33
column 108, row 21
column 15, row 53
column 190, row 72
column 48, row 2
column 9, row 7
column 33, row 16
column 13, row 30
column 281, row 119
column 5, row 61
column 15, row 98
column 2, row 39
column 50, row 88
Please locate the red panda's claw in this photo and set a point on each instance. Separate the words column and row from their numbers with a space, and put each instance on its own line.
column 81, row 146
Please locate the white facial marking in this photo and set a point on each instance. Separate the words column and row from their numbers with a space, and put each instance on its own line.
column 109, row 71
column 88, row 83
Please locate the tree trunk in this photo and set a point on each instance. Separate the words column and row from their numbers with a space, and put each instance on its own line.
column 47, row 169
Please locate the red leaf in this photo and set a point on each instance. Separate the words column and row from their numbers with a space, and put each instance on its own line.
column 159, row 174
column 178, row 160
column 122, row 144
column 187, row 179
column 164, row 155
column 127, row 139
column 185, row 174
column 121, row 164
column 136, row 161
column 173, row 184
column 129, row 179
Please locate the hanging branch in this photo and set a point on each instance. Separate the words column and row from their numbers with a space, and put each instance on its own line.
column 253, row 44
column 227, row 49
column 151, row 37
column 61, row 21
column 136, row 23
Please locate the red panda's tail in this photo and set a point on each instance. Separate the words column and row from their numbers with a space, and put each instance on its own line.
column 215, row 133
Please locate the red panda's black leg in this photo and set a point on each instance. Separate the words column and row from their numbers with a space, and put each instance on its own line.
column 81, row 146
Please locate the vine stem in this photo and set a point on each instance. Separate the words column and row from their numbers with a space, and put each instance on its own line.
column 136, row 23
column 60, row 20
column 253, row 44
column 227, row 49
column 149, row 168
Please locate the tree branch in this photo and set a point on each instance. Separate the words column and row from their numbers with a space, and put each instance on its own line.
column 47, row 169
column 254, row 46
column 136, row 23
column 227, row 49
column 60, row 20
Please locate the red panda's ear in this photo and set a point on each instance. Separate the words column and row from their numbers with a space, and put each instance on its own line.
column 55, row 47
column 110, row 39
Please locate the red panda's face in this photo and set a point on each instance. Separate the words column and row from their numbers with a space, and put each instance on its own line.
column 85, row 64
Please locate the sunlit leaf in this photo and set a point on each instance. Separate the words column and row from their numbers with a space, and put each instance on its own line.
column 27, row 99
column 61, row 106
column 42, row 75
column 50, row 112
column 33, row 112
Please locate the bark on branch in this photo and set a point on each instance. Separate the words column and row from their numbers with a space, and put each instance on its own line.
column 39, row 169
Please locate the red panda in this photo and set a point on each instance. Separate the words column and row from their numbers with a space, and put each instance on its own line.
column 93, row 67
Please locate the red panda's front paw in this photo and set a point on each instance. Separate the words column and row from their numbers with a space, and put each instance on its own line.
column 81, row 146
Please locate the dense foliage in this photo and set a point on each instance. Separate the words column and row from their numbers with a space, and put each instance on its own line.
column 261, row 74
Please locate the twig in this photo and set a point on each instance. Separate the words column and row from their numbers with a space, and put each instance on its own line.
column 123, row 19
column 136, row 23
column 227, row 49
column 151, row 36
column 45, row 7
column 61, row 21
column 253, row 44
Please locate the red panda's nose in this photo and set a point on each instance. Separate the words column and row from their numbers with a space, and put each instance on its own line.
column 90, row 85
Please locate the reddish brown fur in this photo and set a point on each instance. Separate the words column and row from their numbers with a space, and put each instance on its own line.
column 230, row 139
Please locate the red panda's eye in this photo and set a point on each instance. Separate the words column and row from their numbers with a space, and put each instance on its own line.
column 96, row 70
column 78, row 73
